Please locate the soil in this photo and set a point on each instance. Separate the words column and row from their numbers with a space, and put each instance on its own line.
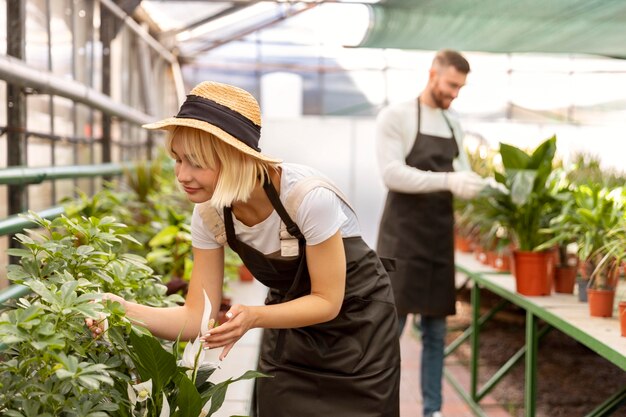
column 572, row 379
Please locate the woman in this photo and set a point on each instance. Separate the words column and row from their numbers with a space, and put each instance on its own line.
column 329, row 342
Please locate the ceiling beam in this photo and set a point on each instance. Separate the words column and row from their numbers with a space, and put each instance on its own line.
column 283, row 16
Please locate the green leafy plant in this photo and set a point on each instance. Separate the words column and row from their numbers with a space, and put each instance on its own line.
column 586, row 219
column 528, row 199
column 52, row 365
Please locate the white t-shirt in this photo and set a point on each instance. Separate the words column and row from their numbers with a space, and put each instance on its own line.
column 319, row 217
column 396, row 128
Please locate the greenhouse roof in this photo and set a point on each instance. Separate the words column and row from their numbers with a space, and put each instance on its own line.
column 554, row 26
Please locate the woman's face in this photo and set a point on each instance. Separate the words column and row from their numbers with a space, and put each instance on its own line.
column 197, row 182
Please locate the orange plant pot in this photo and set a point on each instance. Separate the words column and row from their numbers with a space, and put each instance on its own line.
column 565, row 279
column 534, row 272
column 622, row 317
column 463, row 244
column 245, row 274
column 502, row 262
column 600, row 302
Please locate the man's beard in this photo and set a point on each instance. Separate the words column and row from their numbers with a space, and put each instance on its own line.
column 438, row 99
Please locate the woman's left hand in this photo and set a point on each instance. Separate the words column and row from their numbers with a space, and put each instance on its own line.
column 239, row 321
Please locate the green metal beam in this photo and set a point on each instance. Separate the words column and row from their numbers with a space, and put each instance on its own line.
column 36, row 175
column 508, row 365
column 468, row 332
column 12, row 292
column 16, row 223
column 610, row 405
column 532, row 346
column 476, row 409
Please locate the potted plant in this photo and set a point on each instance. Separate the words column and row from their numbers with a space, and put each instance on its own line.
column 607, row 260
column 464, row 225
column 563, row 234
column 524, row 205
column 590, row 215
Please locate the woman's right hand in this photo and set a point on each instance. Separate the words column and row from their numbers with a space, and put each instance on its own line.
column 100, row 325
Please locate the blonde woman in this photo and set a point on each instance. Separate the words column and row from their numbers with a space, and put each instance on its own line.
column 330, row 340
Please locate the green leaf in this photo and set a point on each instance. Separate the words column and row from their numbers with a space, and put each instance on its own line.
column 188, row 399
column 18, row 252
column 152, row 360
column 513, row 158
column 522, row 186
column 164, row 237
column 84, row 250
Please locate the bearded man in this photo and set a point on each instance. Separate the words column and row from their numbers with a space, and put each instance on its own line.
column 423, row 164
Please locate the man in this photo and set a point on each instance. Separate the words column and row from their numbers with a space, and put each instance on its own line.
column 417, row 143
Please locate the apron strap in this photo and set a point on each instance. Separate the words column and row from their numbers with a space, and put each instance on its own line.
column 290, row 233
column 230, row 228
column 211, row 218
column 288, row 246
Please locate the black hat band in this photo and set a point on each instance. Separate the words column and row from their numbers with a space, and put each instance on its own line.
column 230, row 121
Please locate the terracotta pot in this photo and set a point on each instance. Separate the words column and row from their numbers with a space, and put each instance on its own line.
column 481, row 255
column 564, row 279
column 245, row 274
column 600, row 302
column 462, row 244
column 502, row 262
column 534, row 272
column 622, row 317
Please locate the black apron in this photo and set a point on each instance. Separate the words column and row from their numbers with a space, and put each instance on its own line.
column 417, row 231
column 349, row 366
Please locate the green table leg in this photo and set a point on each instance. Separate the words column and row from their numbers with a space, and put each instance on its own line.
column 532, row 342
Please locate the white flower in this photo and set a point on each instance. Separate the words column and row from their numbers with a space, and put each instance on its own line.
column 165, row 411
column 192, row 350
column 194, row 356
column 206, row 315
column 140, row 392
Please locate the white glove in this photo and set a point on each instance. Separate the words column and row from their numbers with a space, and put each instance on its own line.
column 464, row 184
column 492, row 183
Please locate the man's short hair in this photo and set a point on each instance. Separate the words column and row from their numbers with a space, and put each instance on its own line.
column 449, row 57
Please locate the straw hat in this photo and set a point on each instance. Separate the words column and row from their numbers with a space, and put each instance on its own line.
column 228, row 112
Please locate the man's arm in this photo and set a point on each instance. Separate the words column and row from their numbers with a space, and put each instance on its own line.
column 395, row 134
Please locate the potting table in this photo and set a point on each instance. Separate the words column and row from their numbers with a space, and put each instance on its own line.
column 558, row 311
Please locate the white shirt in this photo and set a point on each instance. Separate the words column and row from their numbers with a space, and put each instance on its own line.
column 396, row 128
column 319, row 217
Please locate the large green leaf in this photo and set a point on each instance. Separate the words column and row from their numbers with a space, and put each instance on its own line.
column 541, row 161
column 188, row 400
column 152, row 360
column 164, row 237
column 513, row 158
column 522, row 186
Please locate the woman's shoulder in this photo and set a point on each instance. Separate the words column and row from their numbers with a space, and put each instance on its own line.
column 293, row 173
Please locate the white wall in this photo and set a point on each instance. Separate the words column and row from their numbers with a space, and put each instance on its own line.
column 340, row 147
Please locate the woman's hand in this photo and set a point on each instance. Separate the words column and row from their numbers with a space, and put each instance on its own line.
column 100, row 325
column 239, row 321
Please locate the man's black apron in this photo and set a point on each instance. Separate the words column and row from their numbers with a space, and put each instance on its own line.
column 417, row 231
column 349, row 366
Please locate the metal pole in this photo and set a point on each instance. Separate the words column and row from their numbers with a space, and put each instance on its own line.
column 475, row 298
column 532, row 343
column 16, row 105
column 107, row 28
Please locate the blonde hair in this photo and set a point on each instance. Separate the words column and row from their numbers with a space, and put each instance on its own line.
column 239, row 173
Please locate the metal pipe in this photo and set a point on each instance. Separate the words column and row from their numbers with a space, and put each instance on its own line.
column 36, row 175
column 139, row 31
column 15, row 71
column 17, row 223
